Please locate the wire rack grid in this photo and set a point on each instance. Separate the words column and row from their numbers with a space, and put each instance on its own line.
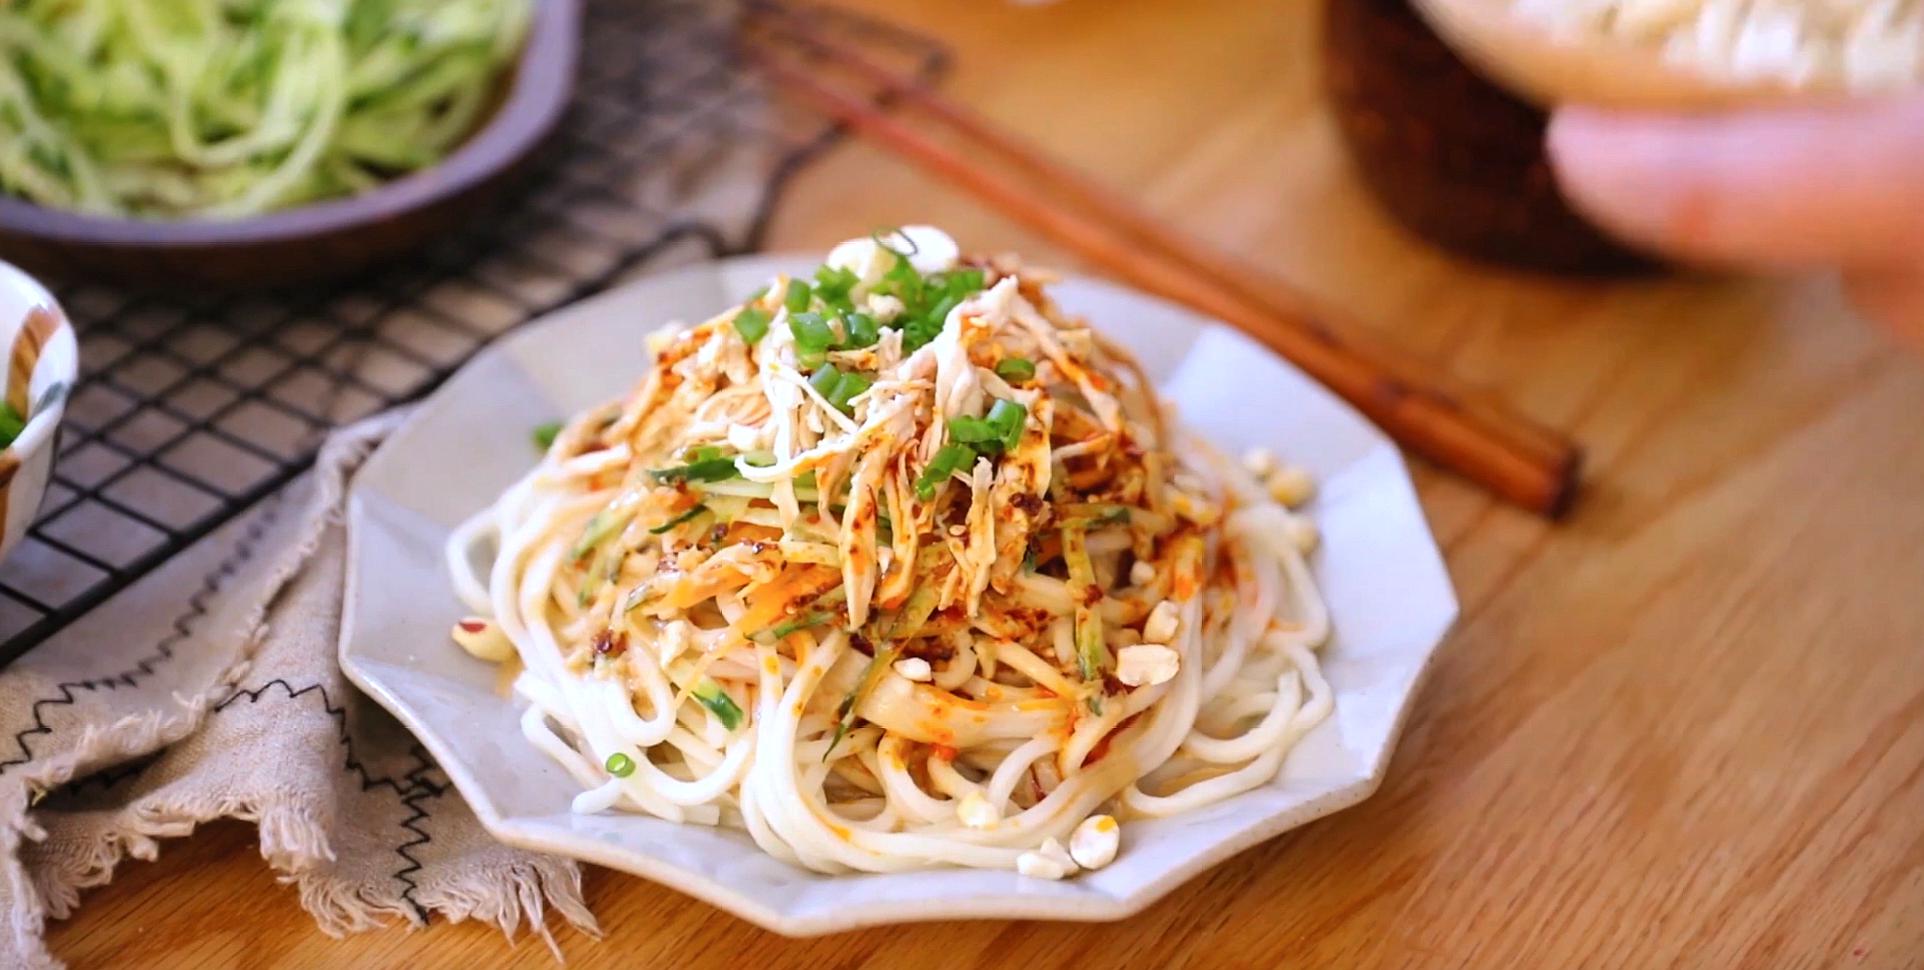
column 191, row 407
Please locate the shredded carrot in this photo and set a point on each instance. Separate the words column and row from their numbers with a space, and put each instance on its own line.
column 1088, row 479
column 1047, row 548
column 705, row 584
column 750, row 532
column 1188, row 569
column 773, row 601
column 800, row 643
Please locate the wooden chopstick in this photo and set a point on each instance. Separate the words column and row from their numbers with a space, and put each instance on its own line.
column 1514, row 457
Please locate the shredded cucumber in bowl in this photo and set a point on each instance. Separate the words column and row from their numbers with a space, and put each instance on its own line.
column 208, row 109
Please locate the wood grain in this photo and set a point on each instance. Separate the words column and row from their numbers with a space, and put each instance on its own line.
column 1684, row 728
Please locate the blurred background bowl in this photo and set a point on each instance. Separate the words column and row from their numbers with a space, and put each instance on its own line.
column 324, row 239
column 42, row 364
column 1451, row 154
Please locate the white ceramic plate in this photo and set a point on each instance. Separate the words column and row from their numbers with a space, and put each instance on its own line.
column 1385, row 583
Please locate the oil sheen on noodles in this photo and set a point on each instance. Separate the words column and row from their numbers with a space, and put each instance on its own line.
column 894, row 567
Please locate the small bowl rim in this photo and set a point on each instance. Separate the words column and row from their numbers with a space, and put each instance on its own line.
column 539, row 91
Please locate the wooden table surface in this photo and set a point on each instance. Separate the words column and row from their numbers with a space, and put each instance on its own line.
column 1683, row 728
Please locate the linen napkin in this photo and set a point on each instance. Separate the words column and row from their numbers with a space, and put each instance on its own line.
column 211, row 689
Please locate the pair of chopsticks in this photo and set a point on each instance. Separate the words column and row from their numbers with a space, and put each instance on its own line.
column 1421, row 408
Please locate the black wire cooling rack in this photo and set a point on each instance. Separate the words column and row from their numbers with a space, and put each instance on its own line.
column 192, row 407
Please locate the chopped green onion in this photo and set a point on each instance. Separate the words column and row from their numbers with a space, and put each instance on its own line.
column 756, row 297
column 1000, row 431
column 919, row 331
column 846, row 390
column 973, row 431
column 1007, row 418
column 1015, row 370
column 812, row 330
column 944, row 293
column 850, row 385
column 862, row 330
column 798, row 297
column 752, row 324
column 950, row 459
column 962, row 282
column 824, row 379
column 620, row 765
column 901, row 281
column 813, row 337
column 838, row 387
column 833, row 284
column 711, row 696
column 679, row 519
column 835, row 279
column 544, row 434
column 939, row 313
column 927, row 301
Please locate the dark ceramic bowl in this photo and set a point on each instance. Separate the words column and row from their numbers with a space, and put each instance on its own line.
column 325, row 239
column 1451, row 155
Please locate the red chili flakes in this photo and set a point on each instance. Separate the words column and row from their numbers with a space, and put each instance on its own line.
column 929, row 648
column 473, row 626
column 610, row 644
column 1101, row 748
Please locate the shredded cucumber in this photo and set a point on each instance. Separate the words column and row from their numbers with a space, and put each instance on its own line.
column 712, row 696
column 204, row 109
column 743, row 488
